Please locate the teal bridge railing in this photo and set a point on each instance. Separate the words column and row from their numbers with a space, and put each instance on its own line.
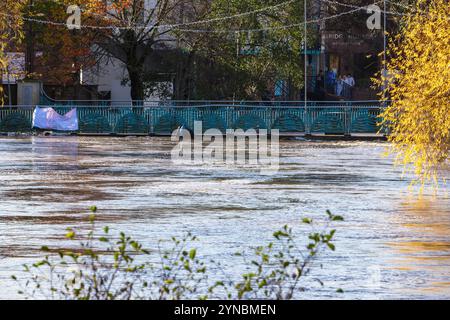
column 162, row 118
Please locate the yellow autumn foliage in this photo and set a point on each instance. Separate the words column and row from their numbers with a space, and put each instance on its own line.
column 11, row 21
column 418, row 86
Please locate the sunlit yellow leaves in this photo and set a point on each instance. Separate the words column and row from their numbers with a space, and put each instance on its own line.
column 419, row 88
column 10, row 30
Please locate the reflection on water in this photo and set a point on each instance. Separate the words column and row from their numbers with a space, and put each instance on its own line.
column 428, row 223
column 392, row 244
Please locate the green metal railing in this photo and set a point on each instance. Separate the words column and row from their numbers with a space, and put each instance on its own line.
column 163, row 118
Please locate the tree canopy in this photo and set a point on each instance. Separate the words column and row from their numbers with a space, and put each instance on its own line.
column 10, row 30
column 221, row 63
column 268, row 52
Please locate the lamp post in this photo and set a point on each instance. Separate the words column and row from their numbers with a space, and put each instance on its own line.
column 384, row 54
column 305, row 48
column 29, row 63
column 9, row 85
column 384, row 31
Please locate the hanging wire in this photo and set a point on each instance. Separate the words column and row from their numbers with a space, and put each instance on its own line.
column 354, row 6
column 278, row 27
column 168, row 26
column 176, row 27
column 405, row 6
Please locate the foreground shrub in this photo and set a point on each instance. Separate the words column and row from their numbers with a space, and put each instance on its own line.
column 107, row 267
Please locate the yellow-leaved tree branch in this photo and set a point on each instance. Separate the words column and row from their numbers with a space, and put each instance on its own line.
column 11, row 21
column 417, row 83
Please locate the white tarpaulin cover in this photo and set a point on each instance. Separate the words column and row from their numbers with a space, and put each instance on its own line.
column 49, row 119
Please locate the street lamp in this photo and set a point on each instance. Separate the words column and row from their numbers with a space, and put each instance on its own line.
column 305, row 49
column 384, row 54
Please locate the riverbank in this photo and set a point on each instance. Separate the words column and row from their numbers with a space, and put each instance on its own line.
column 282, row 135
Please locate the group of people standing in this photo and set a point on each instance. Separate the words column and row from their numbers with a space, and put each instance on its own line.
column 341, row 86
column 344, row 86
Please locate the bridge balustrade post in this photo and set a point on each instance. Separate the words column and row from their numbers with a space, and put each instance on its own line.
column 307, row 120
column 347, row 119
column 271, row 117
column 228, row 120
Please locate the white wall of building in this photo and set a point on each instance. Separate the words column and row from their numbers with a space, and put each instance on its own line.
column 109, row 74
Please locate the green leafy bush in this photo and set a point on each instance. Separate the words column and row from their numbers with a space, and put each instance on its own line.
column 108, row 267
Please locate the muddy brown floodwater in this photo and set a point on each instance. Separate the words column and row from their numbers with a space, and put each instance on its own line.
column 392, row 244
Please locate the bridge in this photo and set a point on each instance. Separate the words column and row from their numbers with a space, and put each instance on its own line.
column 162, row 118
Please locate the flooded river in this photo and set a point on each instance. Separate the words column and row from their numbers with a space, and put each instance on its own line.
column 392, row 243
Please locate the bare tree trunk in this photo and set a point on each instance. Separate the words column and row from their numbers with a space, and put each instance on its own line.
column 136, row 82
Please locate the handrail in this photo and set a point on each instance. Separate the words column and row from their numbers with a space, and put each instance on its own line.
column 228, row 102
column 204, row 106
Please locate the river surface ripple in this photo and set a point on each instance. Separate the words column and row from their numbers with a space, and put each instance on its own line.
column 392, row 244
